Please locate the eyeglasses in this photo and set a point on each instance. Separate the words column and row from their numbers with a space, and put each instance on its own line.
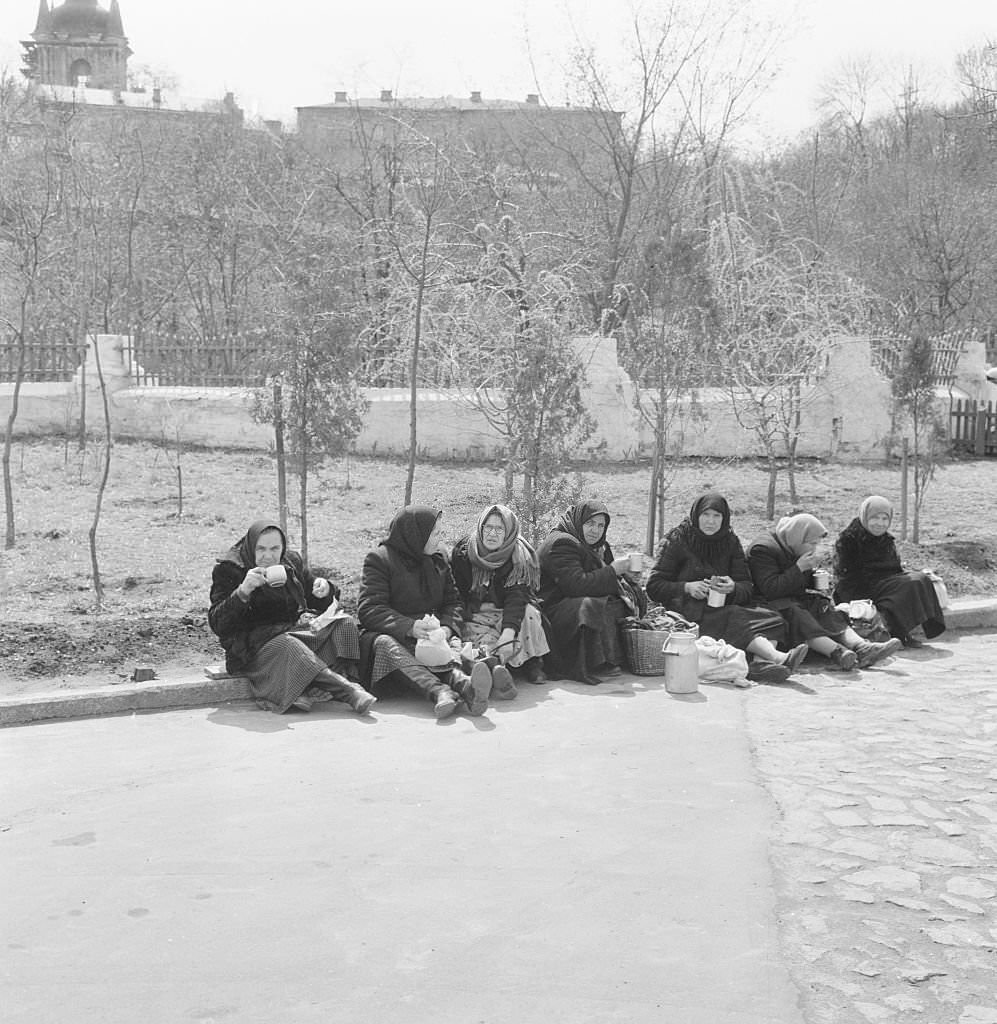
column 493, row 529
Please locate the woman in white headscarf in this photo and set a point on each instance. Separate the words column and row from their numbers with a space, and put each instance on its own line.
column 867, row 565
column 782, row 562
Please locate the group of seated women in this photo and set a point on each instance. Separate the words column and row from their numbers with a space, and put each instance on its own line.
column 459, row 630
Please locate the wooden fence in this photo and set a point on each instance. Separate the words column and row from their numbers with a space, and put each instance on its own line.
column 45, row 361
column 974, row 427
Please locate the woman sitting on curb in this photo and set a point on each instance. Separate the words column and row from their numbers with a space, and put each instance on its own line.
column 406, row 583
column 259, row 592
column 782, row 563
column 498, row 575
column 867, row 565
column 586, row 594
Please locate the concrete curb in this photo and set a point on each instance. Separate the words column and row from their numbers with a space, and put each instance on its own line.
column 157, row 695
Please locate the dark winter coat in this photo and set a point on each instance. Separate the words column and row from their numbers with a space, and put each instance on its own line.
column 244, row 627
column 861, row 561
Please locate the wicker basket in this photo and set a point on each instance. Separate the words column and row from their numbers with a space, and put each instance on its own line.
column 643, row 648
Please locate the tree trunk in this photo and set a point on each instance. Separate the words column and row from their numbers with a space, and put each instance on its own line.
column 278, row 441
column 652, row 498
column 98, row 585
column 773, row 468
column 8, row 441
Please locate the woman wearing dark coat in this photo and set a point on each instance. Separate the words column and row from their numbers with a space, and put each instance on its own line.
column 259, row 623
column 702, row 554
column 498, row 576
column 867, row 565
column 782, row 564
column 406, row 580
column 586, row 592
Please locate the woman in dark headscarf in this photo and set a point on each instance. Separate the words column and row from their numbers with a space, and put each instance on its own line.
column 782, row 564
column 586, row 592
column 498, row 576
column 703, row 554
column 407, row 592
column 867, row 565
column 259, row 592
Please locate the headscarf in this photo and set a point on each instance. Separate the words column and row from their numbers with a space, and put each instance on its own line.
column 525, row 567
column 243, row 552
column 795, row 532
column 577, row 516
column 875, row 504
column 410, row 529
column 688, row 532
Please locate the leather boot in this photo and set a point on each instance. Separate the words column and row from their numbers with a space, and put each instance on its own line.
column 869, row 653
column 473, row 689
column 346, row 691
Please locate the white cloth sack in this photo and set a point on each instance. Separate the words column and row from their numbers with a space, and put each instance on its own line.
column 719, row 662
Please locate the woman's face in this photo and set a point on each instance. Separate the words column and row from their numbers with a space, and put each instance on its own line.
column 493, row 533
column 269, row 547
column 810, row 545
column 710, row 520
column 594, row 528
column 433, row 540
column 878, row 524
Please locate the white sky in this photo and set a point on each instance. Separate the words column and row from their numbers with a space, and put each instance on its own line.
column 282, row 53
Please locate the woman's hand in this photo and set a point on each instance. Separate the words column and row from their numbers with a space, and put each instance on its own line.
column 421, row 629
column 506, row 645
column 253, row 580
column 321, row 588
column 722, row 584
column 697, row 589
column 805, row 563
column 621, row 565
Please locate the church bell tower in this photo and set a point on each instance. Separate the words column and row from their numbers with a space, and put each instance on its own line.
column 78, row 43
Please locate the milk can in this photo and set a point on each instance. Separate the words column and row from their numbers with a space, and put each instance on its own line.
column 682, row 661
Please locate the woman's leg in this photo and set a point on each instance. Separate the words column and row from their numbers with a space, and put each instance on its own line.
column 342, row 689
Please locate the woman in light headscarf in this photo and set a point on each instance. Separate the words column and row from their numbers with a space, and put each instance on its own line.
column 702, row 554
column 260, row 592
column 407, row 592
column 867, row 565
column 498, row 576
column 586, row 593
column 782, row 564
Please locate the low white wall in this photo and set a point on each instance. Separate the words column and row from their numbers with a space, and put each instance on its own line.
column 845, row 415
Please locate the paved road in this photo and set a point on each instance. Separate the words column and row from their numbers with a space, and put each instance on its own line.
column 576, row 856
column 886, row 846
column 823, row 852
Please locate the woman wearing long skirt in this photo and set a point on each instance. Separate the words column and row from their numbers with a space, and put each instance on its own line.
column 498, row 576
column 586, row 593
column 260, row 592
column 407, row 586
column 703, row 554
column 867, row 565
column 782, row 564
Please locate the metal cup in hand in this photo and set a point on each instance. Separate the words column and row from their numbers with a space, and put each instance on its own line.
column 275, row 575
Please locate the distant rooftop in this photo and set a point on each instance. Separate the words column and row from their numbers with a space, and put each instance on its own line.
column 154, row 99
column 387, row 101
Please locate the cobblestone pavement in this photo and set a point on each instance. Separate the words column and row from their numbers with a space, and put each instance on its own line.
column 886, row 849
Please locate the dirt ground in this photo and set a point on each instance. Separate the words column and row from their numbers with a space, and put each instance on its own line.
column 155, row 559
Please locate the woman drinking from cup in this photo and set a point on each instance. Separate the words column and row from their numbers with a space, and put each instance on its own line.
column 586, row 593
column 867, row 565
column 259, row 593
column 498, row 575
column 701, row 573
column 782, row 564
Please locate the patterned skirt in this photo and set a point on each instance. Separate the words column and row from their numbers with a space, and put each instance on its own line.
column 285, row 666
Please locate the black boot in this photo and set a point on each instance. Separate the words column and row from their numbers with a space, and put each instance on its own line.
column 348, row 692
